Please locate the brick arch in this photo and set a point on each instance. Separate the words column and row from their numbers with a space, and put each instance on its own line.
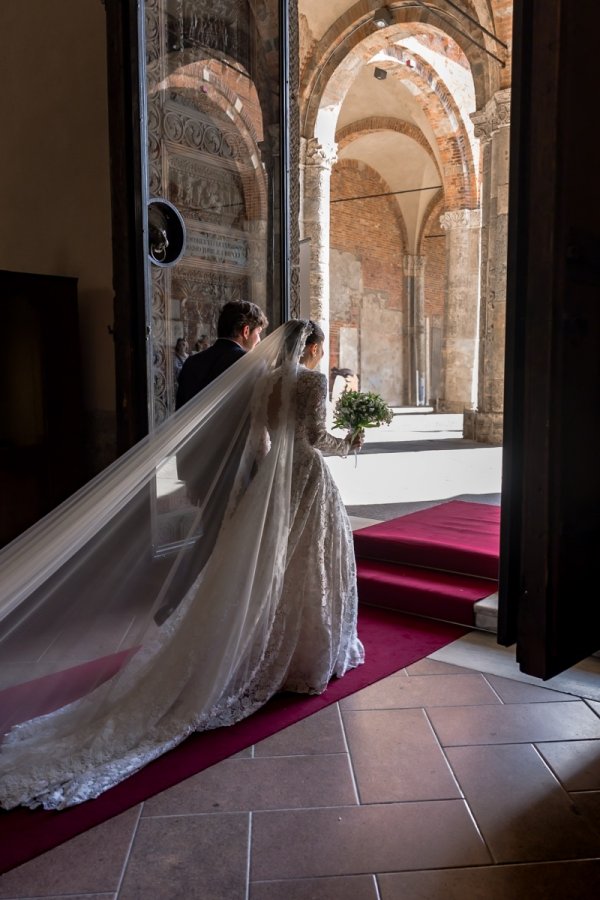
column 353, row 35
column 459, row 175
column 349, row 164
column 458, row 169
column 372, row 124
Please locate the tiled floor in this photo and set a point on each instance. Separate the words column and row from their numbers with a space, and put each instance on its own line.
column 438, row 782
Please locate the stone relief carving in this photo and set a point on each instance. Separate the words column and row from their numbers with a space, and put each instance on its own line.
column 198, row 133
column 494, row 115
column 321, row 155
column 201, row 295
column 460, row 218
column 185, row 132
column 204, row 192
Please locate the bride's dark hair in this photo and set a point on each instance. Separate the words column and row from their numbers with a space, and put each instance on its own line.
column 299, row 334
column 315, row 334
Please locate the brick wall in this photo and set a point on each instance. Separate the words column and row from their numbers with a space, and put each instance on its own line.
column 434, row 248
column 370, row 232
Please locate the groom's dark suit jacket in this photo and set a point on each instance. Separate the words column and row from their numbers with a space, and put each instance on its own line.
column 200, row 369
column 197, row 372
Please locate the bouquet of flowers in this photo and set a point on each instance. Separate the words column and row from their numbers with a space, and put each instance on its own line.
column 357, row 410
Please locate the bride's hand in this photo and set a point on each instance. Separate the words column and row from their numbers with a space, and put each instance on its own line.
column 358, row 440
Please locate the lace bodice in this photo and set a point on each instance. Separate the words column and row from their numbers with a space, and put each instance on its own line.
column 311, row 411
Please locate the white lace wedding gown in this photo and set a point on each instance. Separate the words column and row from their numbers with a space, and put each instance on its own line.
column 295, row 582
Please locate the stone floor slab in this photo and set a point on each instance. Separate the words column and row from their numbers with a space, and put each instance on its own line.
column 523, row 812
column 364, row 839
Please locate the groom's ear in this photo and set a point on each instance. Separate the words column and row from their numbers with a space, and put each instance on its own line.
column 246, row 332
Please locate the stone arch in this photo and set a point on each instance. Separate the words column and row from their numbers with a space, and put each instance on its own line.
column 458, row 170
column 334, row 52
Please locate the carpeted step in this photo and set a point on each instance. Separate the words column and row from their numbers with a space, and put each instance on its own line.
column 454, row 537
column 423, row 592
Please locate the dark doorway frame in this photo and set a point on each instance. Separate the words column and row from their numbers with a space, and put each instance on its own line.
column 132, row 327
column 551, row 478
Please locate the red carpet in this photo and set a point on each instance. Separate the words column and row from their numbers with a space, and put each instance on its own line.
column 454, row 537
column 421, row 592
column 392, row 641
column 437, row 562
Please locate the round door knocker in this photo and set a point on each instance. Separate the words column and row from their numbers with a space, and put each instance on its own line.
column 166, row 233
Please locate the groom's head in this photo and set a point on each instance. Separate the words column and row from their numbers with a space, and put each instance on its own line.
column 243, row 322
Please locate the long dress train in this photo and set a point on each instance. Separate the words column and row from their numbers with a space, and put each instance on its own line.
column 274, row 609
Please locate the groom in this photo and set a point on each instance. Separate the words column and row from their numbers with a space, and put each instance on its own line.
column 238, row 331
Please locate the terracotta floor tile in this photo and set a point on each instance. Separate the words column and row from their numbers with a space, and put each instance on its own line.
column 576, row 764
column 538, row 881
column 423, row 690
column 511, row 691
column 281, row 782
column 436, row 667
column 349, row 887
column 90, row 863
column 188, row 858
column 403, row 762
column 588, row 803
column 364, row 839
column 514, row 723
column 319, row 733
column 523, row 812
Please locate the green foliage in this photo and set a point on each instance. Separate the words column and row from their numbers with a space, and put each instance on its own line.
column 356, row 410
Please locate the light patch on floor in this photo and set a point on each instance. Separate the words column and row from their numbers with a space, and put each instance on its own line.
column 479, row 651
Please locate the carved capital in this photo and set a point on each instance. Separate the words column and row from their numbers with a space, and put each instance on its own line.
column 494, row 115
column 460, row 219
column 413, row 265
column 321, row 155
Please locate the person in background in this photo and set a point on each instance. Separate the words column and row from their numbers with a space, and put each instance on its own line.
column 181, row 354
column 201, row 344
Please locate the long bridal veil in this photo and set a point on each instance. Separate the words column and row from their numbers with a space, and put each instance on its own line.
column 131, row 616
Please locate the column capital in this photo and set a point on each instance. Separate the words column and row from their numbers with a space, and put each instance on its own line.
column 460, row 219
column 494, row 115
column 321, row 155
column 413, row 265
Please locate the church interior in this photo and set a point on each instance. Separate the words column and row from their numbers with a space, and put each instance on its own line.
column 412, row 176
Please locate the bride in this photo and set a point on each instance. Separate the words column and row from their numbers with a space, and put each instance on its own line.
column 272, row 608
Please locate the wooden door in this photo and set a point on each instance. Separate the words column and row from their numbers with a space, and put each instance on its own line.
column 550, row 538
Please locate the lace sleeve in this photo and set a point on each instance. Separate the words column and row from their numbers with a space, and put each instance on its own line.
column 315, row 412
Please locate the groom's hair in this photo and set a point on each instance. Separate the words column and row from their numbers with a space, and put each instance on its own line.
column 238, row 313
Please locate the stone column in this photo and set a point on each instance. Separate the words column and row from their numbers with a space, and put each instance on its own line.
column 492, row 127
column 414, row 276
column 459, row 338
column 318, row 162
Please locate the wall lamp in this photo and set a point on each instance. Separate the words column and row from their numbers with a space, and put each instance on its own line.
column 382, row 17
